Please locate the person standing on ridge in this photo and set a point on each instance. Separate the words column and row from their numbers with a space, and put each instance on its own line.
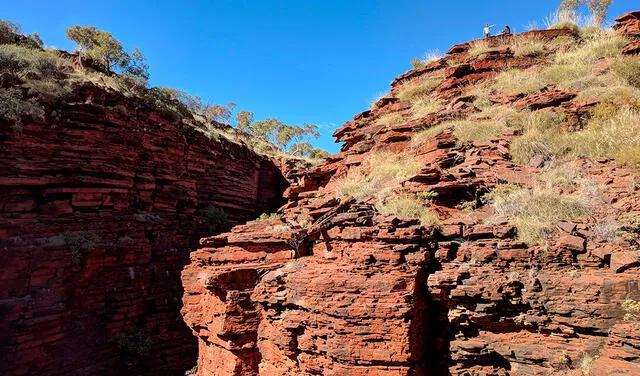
column 487, row 30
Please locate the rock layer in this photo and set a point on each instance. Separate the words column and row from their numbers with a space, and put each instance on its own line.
column 336, row 288
column 100, row 204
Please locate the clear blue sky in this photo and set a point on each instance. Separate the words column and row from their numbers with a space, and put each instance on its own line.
column 315, row 61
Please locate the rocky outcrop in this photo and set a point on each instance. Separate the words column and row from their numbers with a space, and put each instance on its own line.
column 100, row 204
column 336, row 288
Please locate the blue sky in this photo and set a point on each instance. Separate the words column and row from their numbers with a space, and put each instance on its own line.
column 315, row 61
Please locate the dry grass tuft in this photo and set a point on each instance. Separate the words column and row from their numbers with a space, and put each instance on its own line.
column 518, row 81
column 565, row 25
column 471, row 131
column 479, row 48
column 380, row 173
column 527, row 46
column 597, row 46
column 424, row 87
column 628, row 68
column 481, row 96
column 631, row 309
column 421, row 137
column 423, row 105
column 409, row 207
column 391, row 118
column 534, row 212
column 615, row 137
column 428, row 58
column 541, row 135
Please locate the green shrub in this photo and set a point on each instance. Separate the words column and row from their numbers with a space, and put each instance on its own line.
column 410, row 208
column 265, row 216
column 134, row 343
column 103, row 48
column 80, row 244
column 534, row 212
column 42, row 71
column 629, row 229
column 214, row 218
column 30, row 63
column 628, row 68
column 13, row 109
column 631, row 309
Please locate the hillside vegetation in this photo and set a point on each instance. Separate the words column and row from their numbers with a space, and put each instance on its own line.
column 35, row 77
column 593, row 113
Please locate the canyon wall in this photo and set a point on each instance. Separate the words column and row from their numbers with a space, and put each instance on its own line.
column 100, row 204
column 335, row 287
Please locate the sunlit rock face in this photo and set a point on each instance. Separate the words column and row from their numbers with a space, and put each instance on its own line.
column 337, row 287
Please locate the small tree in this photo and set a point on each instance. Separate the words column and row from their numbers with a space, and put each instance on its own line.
column 598, row 8
column 103, row 48
column 8, row 31
column 265, row 130
column 244, row 120
column 219, row 112
column 316, row 153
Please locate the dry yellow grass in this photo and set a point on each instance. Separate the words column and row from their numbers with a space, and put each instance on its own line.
column 518, row 81
column 596, row 47
column 479, row 48
column 380, row 173
column 615, row 137
column 541, row 135
column 409, row 207
column 628, row 68
column 423, row 105
column 421, row 137
column 527, row 46
column 470, row 131
column 534, row 212
column 423, row 87
column 392, row 118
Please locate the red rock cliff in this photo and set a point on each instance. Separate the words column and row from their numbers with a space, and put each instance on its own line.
column 356, row 292
column 99, row 208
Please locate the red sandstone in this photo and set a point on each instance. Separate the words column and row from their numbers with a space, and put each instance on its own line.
column 359, row 293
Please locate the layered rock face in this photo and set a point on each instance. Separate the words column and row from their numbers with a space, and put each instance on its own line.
column 100, row 204
column 337, row 288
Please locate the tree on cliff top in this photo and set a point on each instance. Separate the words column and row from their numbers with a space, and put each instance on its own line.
column 598, row 8
column 103, row 48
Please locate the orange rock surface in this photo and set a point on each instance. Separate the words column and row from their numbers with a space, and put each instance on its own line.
column 355, row 292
